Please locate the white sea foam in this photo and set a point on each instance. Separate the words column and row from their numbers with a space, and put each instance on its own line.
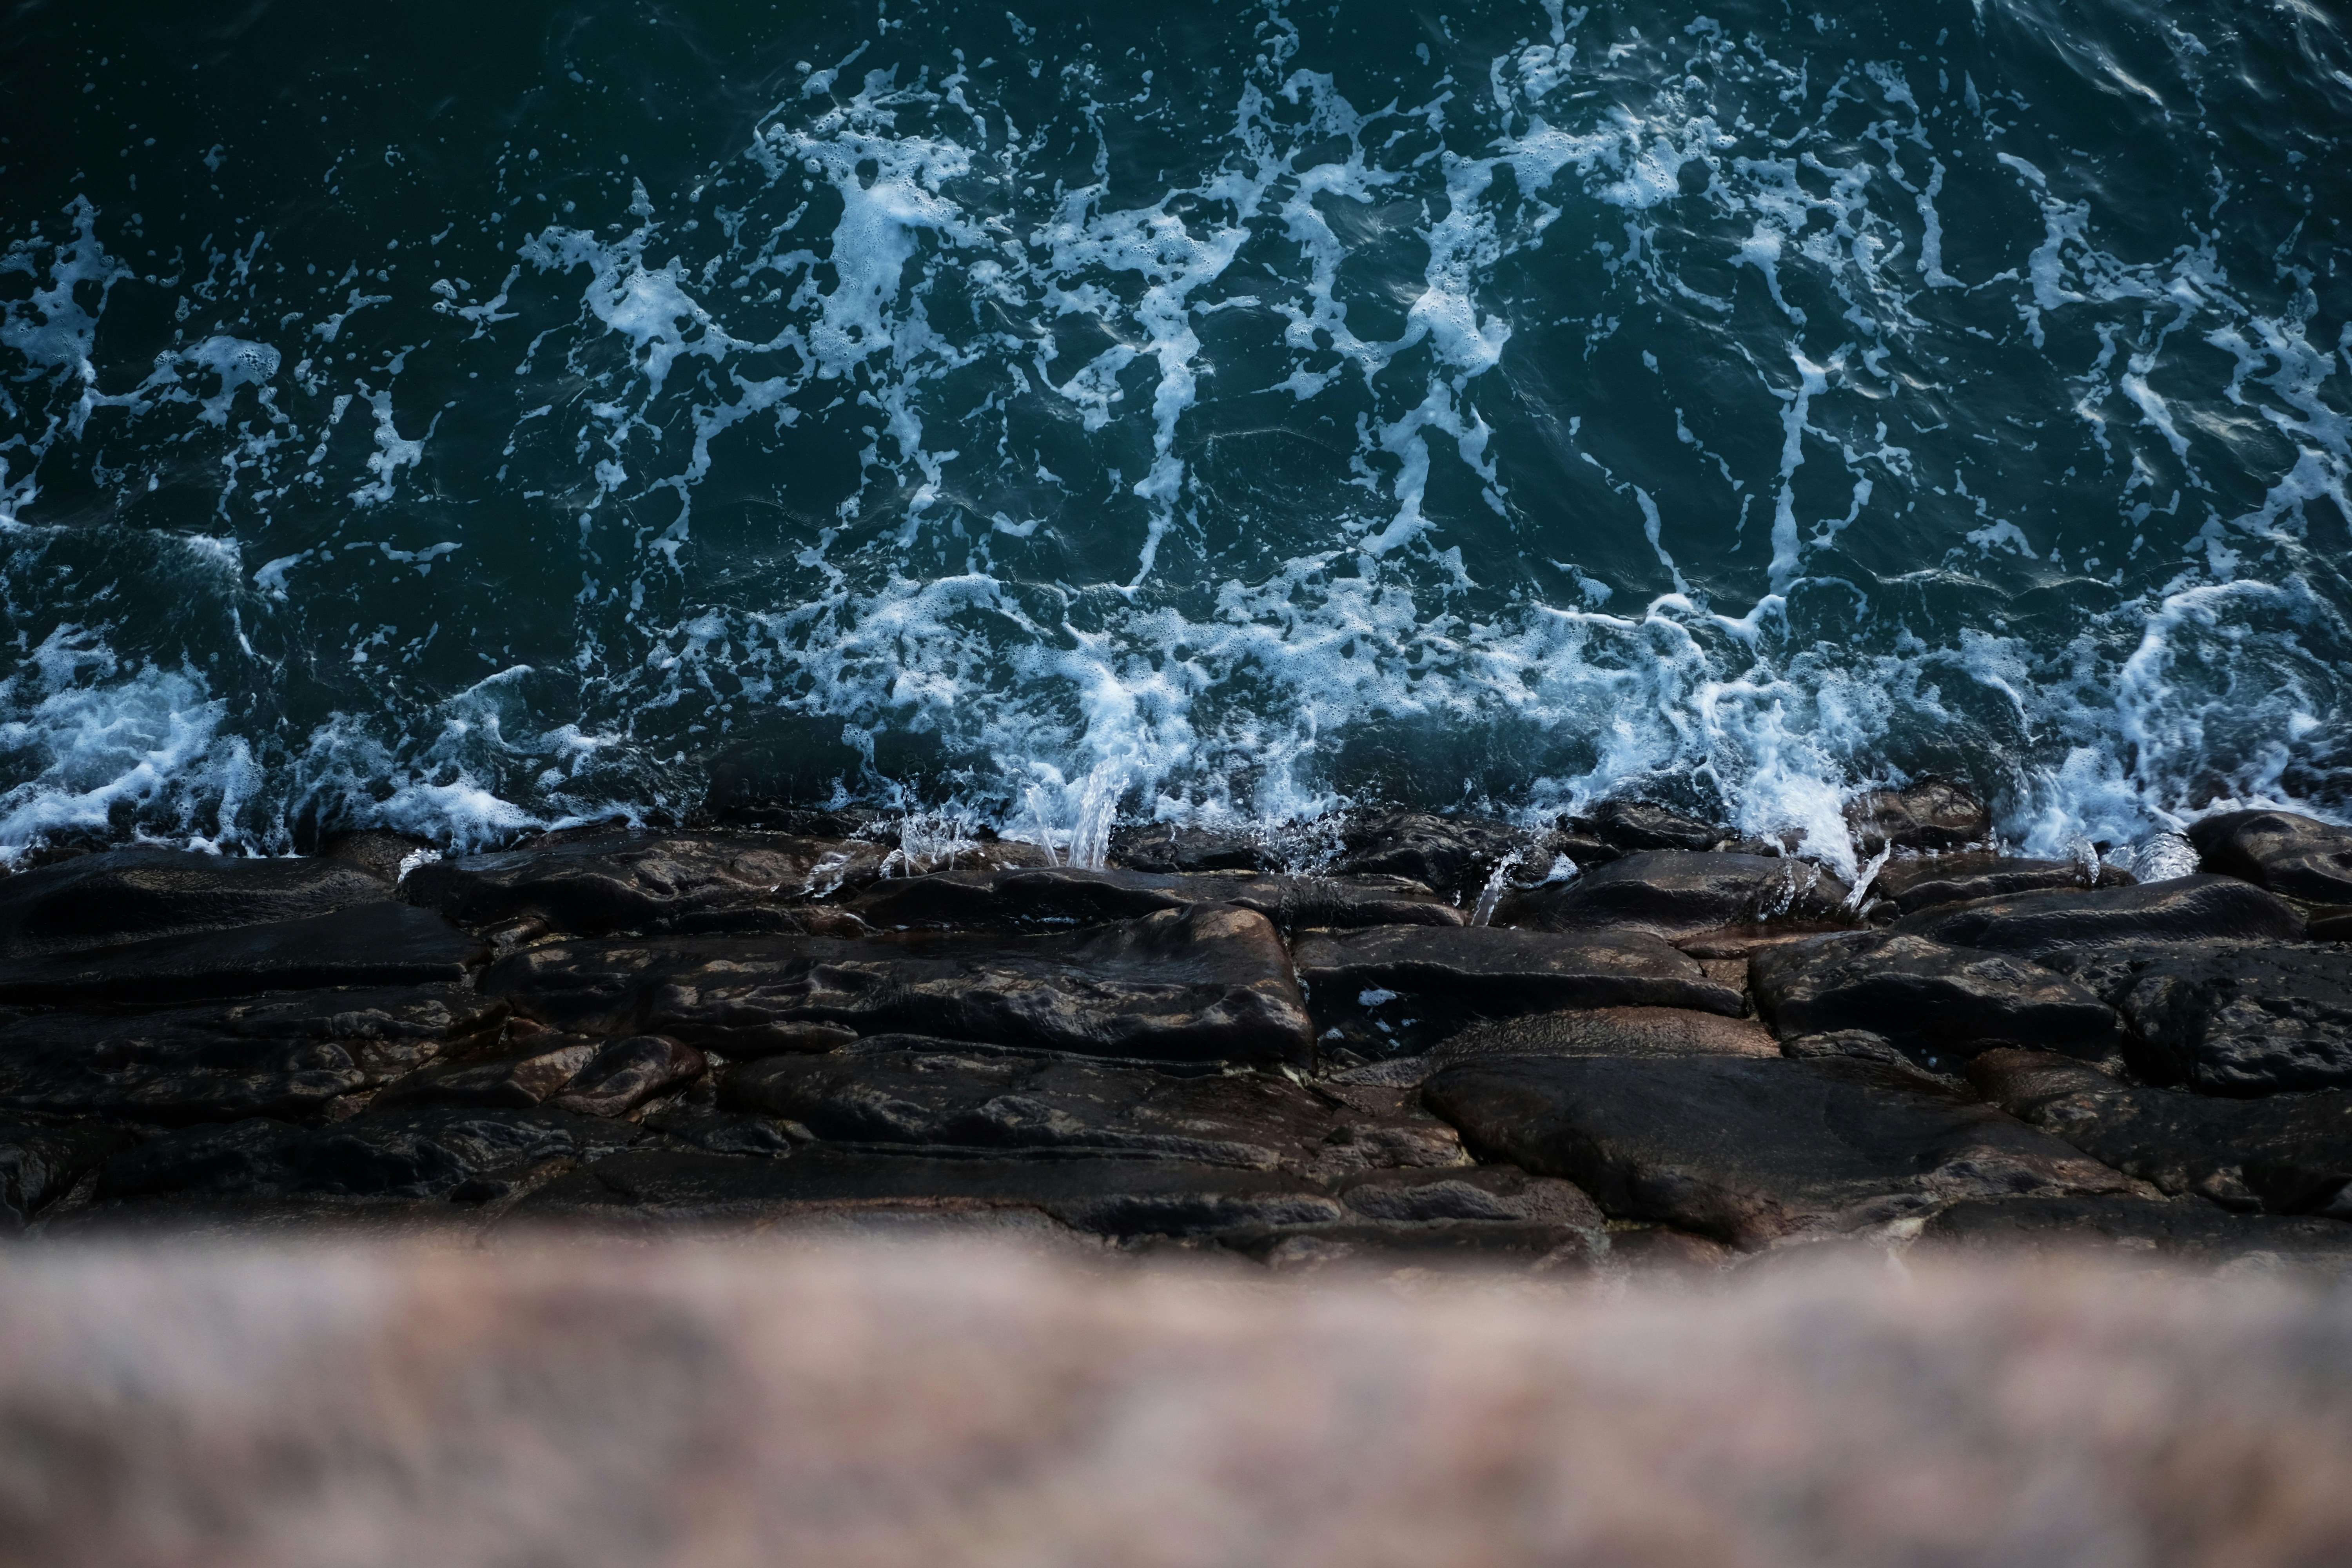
column 978, row 303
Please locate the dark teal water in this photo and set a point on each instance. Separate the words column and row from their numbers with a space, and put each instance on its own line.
column 464, row 417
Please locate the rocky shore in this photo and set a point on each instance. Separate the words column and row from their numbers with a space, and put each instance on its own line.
column 1627, row 1042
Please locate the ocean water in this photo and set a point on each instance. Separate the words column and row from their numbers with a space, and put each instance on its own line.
column 467, row 418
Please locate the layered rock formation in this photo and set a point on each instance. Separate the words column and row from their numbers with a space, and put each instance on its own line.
column 1628, row 1035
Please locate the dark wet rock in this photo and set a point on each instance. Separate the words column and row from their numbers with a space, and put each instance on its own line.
column 1751, row 1152
column 1066, row 896
column 365, row 945
column 1674, row 893
column 286, row 1055
column 1928, row 997
column 1643, row 1031
column 1934, row 813
column 1499, row 971
column 1578, row 1032
column 1923, row 883
column 522, row 1075
column 1630, row 826
column 2239, row 1018
column 2185, row 909
column 2188, row 1231
column 625, row 1074
column 1745, row 941
column 1164, row 847
column 1452, row 854
column 38, row 1165
column 131, row 895
column 1862, row 1046
column 1205, row 983
column 640, row 882
column 1111, row 1197
column 2331, row 925
column 1007, row 1101
column 2292, row 1154
column 2292, row 854
column 693, row 1120
column 420, row 1152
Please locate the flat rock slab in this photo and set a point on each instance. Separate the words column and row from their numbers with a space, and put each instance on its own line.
column 1503, row 970
column 1928, row 997
column 286, row 1055
column 1068, row 896
column 2185, row 909
column 364, row 944
column 2290, row 853
column 1579, row 1032
column 1932, row 879
column 1108, row 1197
column 1751, row 1152
column 1166, row 848
column 2188, row 1231
column 1203, row 983
column 131, row 895
column 389, row 1153
column 1678, row 893
column 2236, row 1019
column 639, row 881
column 1005, row 1101
column 2288, row 1155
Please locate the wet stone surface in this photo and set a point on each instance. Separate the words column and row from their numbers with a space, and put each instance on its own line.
column 2238, row 1019
column 1751, row 1151
column 1928, row 996
column 1677, row 893
column 1680, row 1055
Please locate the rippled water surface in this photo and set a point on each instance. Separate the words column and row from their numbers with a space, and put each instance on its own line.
column 459, row 419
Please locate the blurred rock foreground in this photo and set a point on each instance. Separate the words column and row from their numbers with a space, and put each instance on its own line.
column 935, row 1403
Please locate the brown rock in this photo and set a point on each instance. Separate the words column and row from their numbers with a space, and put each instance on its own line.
column 1064, row 896
column 288, row 1055
column 2295, row 856
column 1502, row 972
column 1923, row 883
column 2289, row 1155
column 934, row 1095
column 2184, row 909
column 1930, row 998
column 1208, row 982
column 1675, row 894
column 1751, row 1152
column 641, row 881
column 625, row 1074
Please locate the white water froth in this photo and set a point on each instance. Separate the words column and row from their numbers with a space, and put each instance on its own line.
column 1074, row 699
